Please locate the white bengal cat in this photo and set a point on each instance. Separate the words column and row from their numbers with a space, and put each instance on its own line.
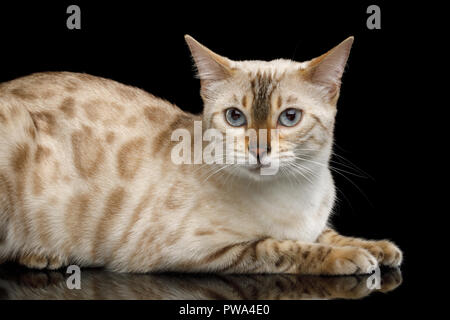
column 86, row 175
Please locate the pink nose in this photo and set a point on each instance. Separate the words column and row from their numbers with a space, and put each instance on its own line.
column 259, row 152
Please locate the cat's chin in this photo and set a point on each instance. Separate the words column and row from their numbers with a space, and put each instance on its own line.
column 257, row 173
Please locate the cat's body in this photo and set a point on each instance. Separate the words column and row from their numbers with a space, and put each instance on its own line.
column 86, row 178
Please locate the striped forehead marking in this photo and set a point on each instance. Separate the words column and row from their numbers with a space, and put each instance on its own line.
column 262, row 85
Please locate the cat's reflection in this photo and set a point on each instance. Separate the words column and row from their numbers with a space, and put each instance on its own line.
column 100, row 284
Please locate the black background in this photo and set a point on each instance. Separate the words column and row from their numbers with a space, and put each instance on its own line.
column 142, row 45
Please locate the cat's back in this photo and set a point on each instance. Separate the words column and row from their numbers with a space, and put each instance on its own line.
column 85, row 122
column 61, row 106
column 73, row 97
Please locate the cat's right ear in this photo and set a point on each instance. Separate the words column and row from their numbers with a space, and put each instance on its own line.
column 210, row 66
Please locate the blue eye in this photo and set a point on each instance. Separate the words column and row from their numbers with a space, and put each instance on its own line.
column 235, row 117
column 290, row 117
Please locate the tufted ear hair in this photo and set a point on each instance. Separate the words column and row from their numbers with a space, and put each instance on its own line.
column 210, row 66
column 327, row 69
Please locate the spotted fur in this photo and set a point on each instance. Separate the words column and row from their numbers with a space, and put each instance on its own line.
column 86, row 175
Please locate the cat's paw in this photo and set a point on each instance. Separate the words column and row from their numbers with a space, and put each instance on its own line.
column 386, row 252
column 34, row 261
column 349, row 260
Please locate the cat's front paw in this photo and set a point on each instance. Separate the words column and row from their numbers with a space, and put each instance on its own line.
column 349, row 260
column 35, row 261
column 387, row 253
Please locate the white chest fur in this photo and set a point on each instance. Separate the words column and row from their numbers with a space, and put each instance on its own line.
column 284, row 210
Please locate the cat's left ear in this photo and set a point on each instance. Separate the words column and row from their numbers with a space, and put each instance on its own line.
column 211, row 66
column 326, row 70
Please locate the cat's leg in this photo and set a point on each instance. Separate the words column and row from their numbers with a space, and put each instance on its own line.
column 38, row 261
column 288, row 256
column 385, row 251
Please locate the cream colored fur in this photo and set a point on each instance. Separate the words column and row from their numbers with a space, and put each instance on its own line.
column 94, row 184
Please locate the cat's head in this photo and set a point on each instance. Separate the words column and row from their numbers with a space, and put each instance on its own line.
column 296, row 98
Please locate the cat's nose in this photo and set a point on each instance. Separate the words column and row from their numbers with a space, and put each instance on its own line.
column 259, row 153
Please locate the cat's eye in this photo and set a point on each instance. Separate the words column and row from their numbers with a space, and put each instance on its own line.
column 235, row 117
column 290, row 117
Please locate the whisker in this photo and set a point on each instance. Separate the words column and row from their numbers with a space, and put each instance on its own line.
column 352, row 165
column 221, row 168
column 299, row 169
column 331, row 167
column 358, row 188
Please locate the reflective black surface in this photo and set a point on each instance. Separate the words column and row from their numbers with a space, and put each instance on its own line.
column 17, row 283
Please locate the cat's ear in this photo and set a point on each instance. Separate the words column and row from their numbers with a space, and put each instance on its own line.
column 327, row 69
column 210, row 66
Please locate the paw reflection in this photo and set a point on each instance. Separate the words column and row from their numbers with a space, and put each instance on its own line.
column 19, row 283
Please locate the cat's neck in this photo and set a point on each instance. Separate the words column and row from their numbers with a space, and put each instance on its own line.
column 267, row 185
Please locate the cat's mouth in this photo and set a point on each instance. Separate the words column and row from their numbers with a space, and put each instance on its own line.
column 258, row 166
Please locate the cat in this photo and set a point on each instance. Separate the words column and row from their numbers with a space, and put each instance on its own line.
column 87, row 178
